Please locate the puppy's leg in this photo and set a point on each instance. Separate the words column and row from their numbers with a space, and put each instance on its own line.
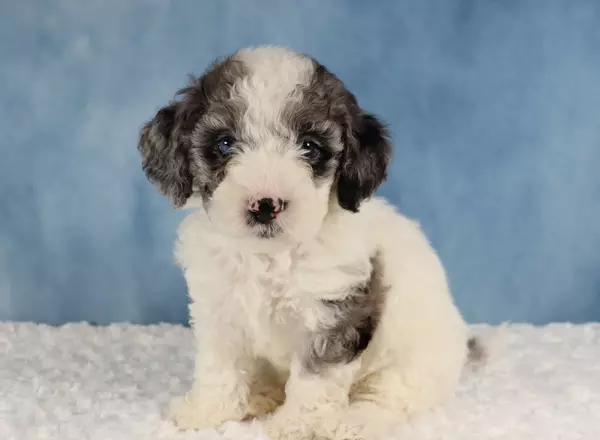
column 376, row 405
column 220, row 389
column 388, row 397
column 310, row 396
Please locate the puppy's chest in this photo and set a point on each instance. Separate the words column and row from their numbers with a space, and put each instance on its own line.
column 273, row 296
column 281, row 298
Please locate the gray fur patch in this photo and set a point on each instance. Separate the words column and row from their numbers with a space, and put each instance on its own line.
column 328, row 110
column 354, row 324
column 322, row 112
column 173, row 156
column 477, row 351
column 364, row 165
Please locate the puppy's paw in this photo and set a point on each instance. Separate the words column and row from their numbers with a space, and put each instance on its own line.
column 361, row 422
column 332, row 430
column 288, row 427
column 189, row 413
column 264, row 403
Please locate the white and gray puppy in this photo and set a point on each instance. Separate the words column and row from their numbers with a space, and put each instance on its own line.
column 302, row 285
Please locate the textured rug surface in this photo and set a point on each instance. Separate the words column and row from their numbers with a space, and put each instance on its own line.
column 84, row 382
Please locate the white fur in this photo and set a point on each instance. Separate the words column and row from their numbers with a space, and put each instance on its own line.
column 255, row 300
column 248, row 305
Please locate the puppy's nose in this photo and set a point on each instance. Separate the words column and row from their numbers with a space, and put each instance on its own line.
column 266, row 209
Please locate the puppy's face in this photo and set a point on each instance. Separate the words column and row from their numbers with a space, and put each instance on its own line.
column 268, row 139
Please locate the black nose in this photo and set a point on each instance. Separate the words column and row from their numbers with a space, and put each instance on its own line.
column 265, row 210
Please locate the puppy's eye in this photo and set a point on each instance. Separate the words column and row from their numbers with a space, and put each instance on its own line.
column 311, row 150
column 225, row 145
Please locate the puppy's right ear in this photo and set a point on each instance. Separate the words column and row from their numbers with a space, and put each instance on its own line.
column 165, row 155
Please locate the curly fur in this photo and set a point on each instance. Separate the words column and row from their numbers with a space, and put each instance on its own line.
column 335, row 321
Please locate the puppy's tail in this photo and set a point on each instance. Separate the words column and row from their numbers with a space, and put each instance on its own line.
column 482, row 349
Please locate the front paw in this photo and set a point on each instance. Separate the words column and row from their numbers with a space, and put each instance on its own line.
column 288, row 427
column 264, row 403
column 190, row 413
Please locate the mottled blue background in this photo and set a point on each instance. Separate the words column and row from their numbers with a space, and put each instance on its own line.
column 494, row 105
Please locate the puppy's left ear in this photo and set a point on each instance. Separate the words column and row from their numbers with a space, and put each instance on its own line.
column 364, row 162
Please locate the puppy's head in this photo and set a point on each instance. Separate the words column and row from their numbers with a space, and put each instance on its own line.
column 268, row 139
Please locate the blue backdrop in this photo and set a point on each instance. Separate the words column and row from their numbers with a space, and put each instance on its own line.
column 494, row 105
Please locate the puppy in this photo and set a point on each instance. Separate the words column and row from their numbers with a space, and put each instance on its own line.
column 315, row 307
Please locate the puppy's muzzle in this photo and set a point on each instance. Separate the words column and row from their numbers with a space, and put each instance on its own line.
column 265, row 210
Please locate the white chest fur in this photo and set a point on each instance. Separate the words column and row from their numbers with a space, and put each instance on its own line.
column 279, row 296
column 270, row 300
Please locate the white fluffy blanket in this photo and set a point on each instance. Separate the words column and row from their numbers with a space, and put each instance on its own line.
column 84, row 382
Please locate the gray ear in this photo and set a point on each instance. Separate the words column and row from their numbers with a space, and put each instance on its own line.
column 364, row 162
column 165, row 156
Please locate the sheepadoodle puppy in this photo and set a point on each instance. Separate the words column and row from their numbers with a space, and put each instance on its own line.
column 316, row 307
